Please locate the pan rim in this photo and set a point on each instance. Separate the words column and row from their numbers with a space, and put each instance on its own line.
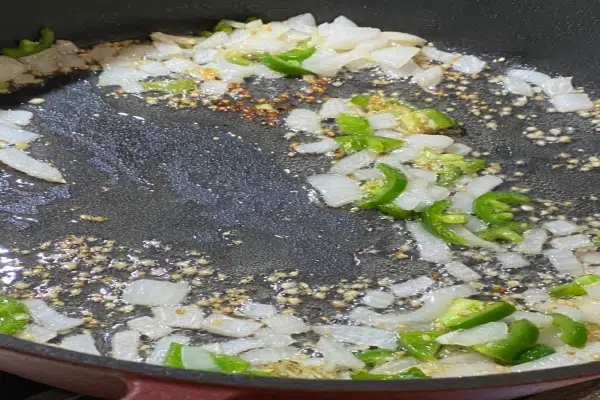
column 130, row 371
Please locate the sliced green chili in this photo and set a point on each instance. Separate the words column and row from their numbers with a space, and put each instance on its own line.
column 494, row 207
column 223, row 26
column 567, row 290
column 466, row 313
column 500, row 233
column 587, row 279
column 435, row 221
column 411, row 373
column 230, row 364
column 238, row 58
column 286, row 67
column 449, row 167
column 174, row 86
column 361, row 100
column 534, row 353
column 173, row 356
column 395, row 183
column 427, row 120
column 573, row 333
column 14, row 315
column 28, row 47
column 4, row 85
column 376, row 356
column 395, row 211
column 522, row 335
column 421, row 344
column 353, row 125
column 300, row 53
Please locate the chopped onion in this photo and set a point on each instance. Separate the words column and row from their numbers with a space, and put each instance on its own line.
column 154, row 68
column 148, row 326
column 538, row 319
column 569, row 102
column 269, row 355
column 121, row 75
column 534, row 77
column 560, row 228
column 355, row 161
column 197, row 358
column 215, row 40
column 407, row 70
column 257, row 310
column 234, row 346
column 462, row 272
column 373, row 44
column 347, row 38
column 429, row 77
column 412, row 287
column 286, row 324
column 465, row 358
column 394, row 57
column 590, row 309
column 125, row 345
column 224, row 325
column 37, row 333
column 394, row 367
column 336, row 190
column 48, row 317
column 532, row 296
column 11, row 68
column 321, row 147
column 214, row 88
column 23, row 162
column 550, row 336
column 512, row 260
column 359, row 335
column 481, row 334
column 473, row 369
column 420, row 141
column 474, row 224
column 576, row 314
column 533, row 243
column 205, row 56
column 469, row 65
column 365, row 316
column 382, row 121
column 438, row 55
column 11, row 134
column 388, row 133
column 265, row 72
column 475, row 241
column 303, row 23
column 483, row 184
column 162, row 346
column 272, row 338
column 303, row 121
column 552, row 361
column 564, row 261
column 517, row 86
column 458, row 148
column 367, row 174
column 462, row 202
column 81, row 343
column 404, row 38
column 16, row 117
column 378, row 299
column 334, row 106
column 431, row 248
column 338, row 354
column 189, row 317
column 589, row 352
column 555, row 86
column 571, row 242
column 148, row 292
column 592, row 257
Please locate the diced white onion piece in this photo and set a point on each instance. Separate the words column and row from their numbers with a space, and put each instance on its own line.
column 355, row 161
column 148, row 292
column 16, row 117
column 382, row 121
column 48, row 317
column 458, row 148
column 571, row 242
column 340, row 22
column 81, row 343
column 481, row 334
column 407, row 70
column 533, row 242
column 347, row 38
column 517, row 86
column 534, row 77
column 303, row 23
column 214, row 88
column 560, row 227
column 359, row 335
column 438, row 55
column 405, row 154
column 555, row 86
column 303, row 120
column 538, row 319
column 321, row 147
column 167, row 50
column 11, row 68
column 469, row 65
column 286, row 324
column 429, row 77
column 180, row 65
column 378, row 299
column 589, row 352
column 591, row 309
column 412, row 287
column 336, row 190
column 116, row 75
column 463, row 202
column 338, row 354
column 125, row 345
column 151, row 327
column 154, row 68
column 23, row 162
column 37, row 333
column 404, row 38
column 564, row 261
column 532, row 296
column 473, row 369
column 473, row 240
column 205, row 56
column 394, row 57
column 592, row 257
column 483, row 184
column 576, row 314
column 552, row 361
column 421, row 141
column 512, row 260
column 550, row 336
column 162, row 346
column 234, row 346
column 189, row 317
column 474, row 224
column 373, row 44
column 257, row 310
column 333, row 107
column 431, row 248
column 12, row 134
column 265, row 72
column 389, row 133
column 269, row 355
column 197, row 358
column 224, row 325
column 395, row 366
column 569, row 102
column 462, row 272
column 215, row 40
column 365, row 316
column 367, row 174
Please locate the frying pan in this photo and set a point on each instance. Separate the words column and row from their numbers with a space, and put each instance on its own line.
column 163, row 177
